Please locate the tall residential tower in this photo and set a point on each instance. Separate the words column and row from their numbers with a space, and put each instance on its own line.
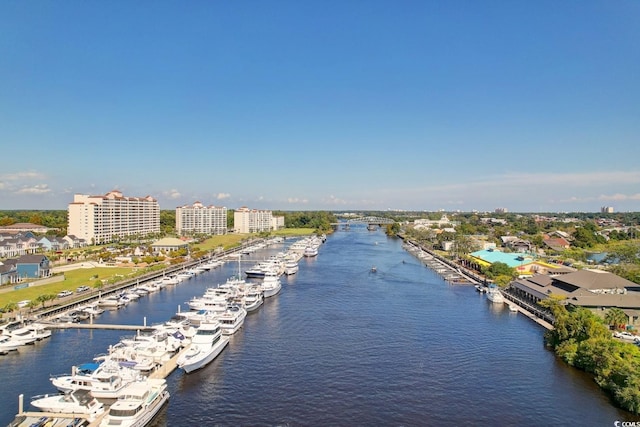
column 103, row 219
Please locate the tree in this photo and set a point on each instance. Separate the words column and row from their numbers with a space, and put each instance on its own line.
column 616, row 317
column 42, row 299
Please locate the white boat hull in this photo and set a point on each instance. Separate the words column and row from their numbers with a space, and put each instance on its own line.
column 199, row 358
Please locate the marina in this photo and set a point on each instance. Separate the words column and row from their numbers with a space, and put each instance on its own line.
column 347, row 323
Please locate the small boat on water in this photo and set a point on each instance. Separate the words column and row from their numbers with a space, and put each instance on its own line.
column 138, row 404
column 232, row 319
column 494, row 295
column 253, row 299
column 206, row 345
column 310, row 251
column 8, row 344
column 290, row 267
column 73, row 402
column 271, row 285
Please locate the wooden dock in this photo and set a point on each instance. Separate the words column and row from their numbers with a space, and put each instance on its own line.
column 25, row 419
column 57, row 325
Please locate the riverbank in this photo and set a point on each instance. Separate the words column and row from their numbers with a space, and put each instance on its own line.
column 458, row 274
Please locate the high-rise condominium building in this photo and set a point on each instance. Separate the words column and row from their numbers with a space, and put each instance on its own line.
column 247, row 220
column 103, row 219
column 198, row 218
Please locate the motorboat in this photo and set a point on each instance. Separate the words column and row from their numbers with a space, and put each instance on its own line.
column 8, row 344
column 73, row 402
column 206, row 345
column 232, row 319
column 253, row 299
column 271, row 285
column 39, row 330
column 310, row 251
column 93, row 310
column 23, row 335
column 110, row 303
column 494, row 295
column 290, row 267
column 106, row 381
column 138, row 404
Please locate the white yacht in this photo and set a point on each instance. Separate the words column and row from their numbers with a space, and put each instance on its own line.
column 111, row 302
column 8, row 344
column 290, row 267
column 271, row 285
column 232, row 319
column 494, row 295
column 23, row 335
column 107, row 381
column 73, row 402
column 310, row 251
column 138, row 404
column 253, row 298
column 205, row 346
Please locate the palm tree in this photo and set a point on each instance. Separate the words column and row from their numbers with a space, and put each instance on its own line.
column 616, row 317
column 44, row 298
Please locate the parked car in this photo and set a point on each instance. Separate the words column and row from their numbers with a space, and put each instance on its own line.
column 625, row 335
column 82, row 289
column 63, row 294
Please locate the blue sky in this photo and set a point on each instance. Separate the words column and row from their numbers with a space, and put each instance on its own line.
column 332, row 105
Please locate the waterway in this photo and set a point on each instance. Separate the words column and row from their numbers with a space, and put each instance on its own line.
column 342, row 345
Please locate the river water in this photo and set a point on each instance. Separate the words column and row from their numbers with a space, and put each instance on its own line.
column 341, row 345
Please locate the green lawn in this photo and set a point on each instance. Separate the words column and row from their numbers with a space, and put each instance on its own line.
column 72, row 279
column 90, row 277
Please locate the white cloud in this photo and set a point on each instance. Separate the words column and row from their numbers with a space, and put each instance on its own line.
column 295, row 200
column 619, row 197
column 30, row 175
column 173, row 194
column 222, row 196
column 36, row 189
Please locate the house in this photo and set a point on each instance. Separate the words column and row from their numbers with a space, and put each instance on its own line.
column 8, row 274
column 556, row 243
column 49, row 243
column 595, row 290
column 30, row 266
column 13, row 245
column 75, row 242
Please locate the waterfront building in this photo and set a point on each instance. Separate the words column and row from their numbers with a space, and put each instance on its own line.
column 247, row 220
column 198, row 218
column 595, row 290
column 168, row 244
column 103, row 219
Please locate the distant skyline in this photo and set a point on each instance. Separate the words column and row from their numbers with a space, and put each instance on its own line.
column 332, row 105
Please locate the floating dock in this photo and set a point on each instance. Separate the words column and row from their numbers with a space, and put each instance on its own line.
column 49, row 419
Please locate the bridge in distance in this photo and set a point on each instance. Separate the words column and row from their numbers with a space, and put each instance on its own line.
column 370, row 221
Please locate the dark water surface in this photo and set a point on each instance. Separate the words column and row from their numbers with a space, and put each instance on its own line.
column 341, row 345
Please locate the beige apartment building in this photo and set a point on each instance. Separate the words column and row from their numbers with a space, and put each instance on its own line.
column 103, row 219
column 198, row 218
column 247, row 220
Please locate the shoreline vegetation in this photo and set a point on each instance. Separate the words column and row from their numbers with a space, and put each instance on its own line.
column 582, row 340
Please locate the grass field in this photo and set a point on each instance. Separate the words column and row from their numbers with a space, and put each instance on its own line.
column 90, row 276
column 72, row 279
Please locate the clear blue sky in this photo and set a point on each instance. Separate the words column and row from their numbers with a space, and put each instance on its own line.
column 341, row 105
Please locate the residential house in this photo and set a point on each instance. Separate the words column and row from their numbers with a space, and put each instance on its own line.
column 30, row 266
column 75, row 242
